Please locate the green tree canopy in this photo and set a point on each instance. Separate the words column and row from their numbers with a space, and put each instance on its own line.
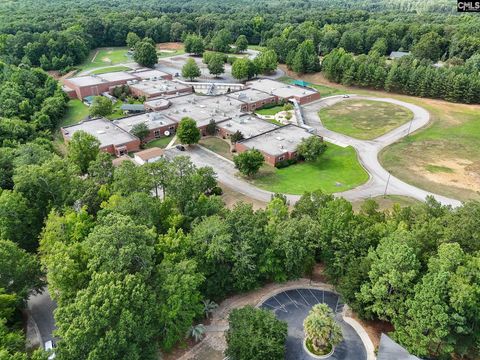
column 249, row 162
column 145, row 54
column 216, row 64
column 321, row 329
column 311, row 148
column 241, row 44
column 83, row 148
column 187, row 131
column 140, row 130
column 190, row 70
column 255, row 334
column 194, row 44
column 101, row 106
column 132, row 40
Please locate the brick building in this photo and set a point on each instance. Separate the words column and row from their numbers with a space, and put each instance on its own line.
column 253, row 99
column 159, row 124
column 302, row 95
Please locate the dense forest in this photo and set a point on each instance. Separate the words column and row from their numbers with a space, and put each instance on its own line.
column 96, row 235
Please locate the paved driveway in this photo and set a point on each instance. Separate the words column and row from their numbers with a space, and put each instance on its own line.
column 41, row 308
column 367, row 151
column 294, row 305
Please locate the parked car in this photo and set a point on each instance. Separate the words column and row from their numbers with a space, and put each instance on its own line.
column 49, row 347
column 346, row 96
column 180, row 147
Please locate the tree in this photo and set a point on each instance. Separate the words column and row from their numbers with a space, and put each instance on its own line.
column 132, row 40
column 311, row 148
column 255, row 334
column 125, row 329
column 191, row 70
column 101, row 169
column 140, row 130
column 101, row 106
column 243, row 69
column 241, row 44
column 321, row 330
column 266, row 62
column 209, row 307
column 305, row 59
column 392, row 277
column 187, row 131
column 216, row 65
column 430, row 46
column 211, row 127
column 221, row 41
column 145, row 54
column 197, row 332
column 236, row 137
column 83, row 148
column 249, row 162
column 21, row 274
column 194, row 44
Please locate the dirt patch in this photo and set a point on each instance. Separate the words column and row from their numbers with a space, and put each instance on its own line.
column 374, row 329
column 170, row 46
column 230, row 197
column 106, row 59
column 460, row 173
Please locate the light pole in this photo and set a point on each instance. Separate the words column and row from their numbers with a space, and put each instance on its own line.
column 386, row 186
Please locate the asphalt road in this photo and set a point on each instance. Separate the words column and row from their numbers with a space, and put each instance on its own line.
column 367, row 151
column 41, row 308
column 293, row 307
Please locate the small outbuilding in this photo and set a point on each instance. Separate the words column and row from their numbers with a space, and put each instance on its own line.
column 148, row 156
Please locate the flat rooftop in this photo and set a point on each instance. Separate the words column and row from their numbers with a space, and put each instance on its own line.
column 248, row 125
column 158, row 86
column 88, row 80
column 104, row 130
column 202, row 109
column 149, row 74
column 153, row 120
column 250, row 95
column 117, row 76
column 277, row 142
column 279, row 89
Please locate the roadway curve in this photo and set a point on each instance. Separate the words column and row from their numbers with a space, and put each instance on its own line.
column 367, row 151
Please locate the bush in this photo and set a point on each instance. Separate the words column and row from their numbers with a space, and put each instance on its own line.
column 284, row 163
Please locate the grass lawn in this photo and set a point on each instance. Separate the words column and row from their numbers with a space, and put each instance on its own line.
column 163, row 54
column 270, row 111
column 336, row 170
column 117, row 111
column 364, row 119
column 105, row 57
column 217, row 145
column 111, row 69
column 387, row 202
column 160, row 142
column 327, row 90
column 76, row 112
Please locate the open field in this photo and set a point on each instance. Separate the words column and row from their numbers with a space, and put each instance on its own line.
column 449, row 141
column 76, row 112
column 160, row 142
column 219, row 146
column 169, row 49
column 106, row 56
column 364, row 119
column 110, row 69
column 336, row 170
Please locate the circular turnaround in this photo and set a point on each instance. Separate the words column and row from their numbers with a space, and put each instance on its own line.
column 294, row 305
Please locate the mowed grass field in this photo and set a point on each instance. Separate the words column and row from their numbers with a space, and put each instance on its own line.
column 105, row 57
column 269, row 111
column 219, row 146
column 160, row 142
column 444, row 157
column 76, row 112
column 336, row 170
column 364, row 119
column 111, row 69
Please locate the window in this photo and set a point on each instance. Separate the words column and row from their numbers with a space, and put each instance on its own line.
column 157, row 133
column 281, row 158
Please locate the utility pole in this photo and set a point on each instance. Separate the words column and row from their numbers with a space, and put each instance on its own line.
column 409, row 127
column 386, row 186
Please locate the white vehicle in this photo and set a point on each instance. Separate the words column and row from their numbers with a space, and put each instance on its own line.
column 49, row 348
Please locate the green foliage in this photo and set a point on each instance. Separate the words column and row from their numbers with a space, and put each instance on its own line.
column 221, row 41
column 311, row 148
column 215, row 64
column 249, row 162
column 83, row 148
column 266, row 62
column 241, row 44
column 243, row 69
column 305, row 59
column 194, row 44
column 236, row 137
column 255, row 334
column 431, row 46
column 190, row 70
column 101, row 106
column 140, row 130
column 187, row 131
column 321, row 328
column 211, row 128
column 145, row 53
column 132, row 40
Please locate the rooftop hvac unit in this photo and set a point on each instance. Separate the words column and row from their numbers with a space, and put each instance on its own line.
column 281, row 146
column 100, row 132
